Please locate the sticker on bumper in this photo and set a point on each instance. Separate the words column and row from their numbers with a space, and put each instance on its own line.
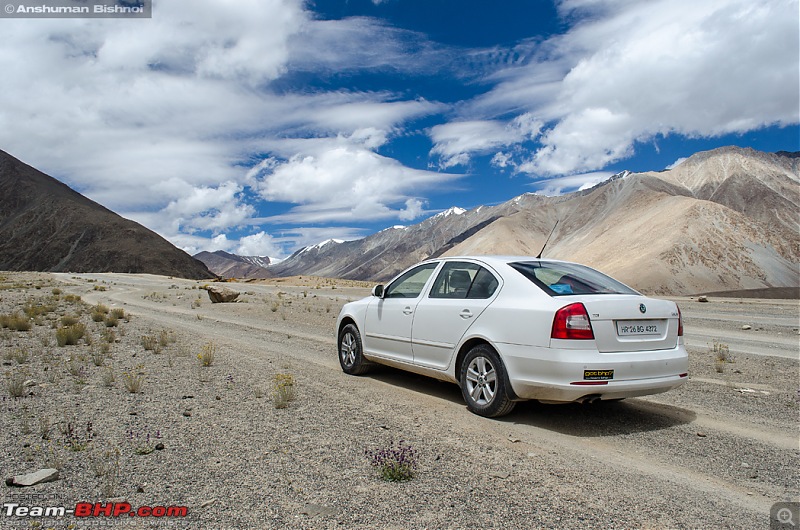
column 598, row 375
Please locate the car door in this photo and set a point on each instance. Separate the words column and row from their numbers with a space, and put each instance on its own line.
column 461, row 292
column 387, row 326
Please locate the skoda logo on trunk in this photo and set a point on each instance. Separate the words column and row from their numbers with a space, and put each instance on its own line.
column 642, row 308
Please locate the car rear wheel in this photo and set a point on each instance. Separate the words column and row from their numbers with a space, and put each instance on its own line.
column 350, row 351
column 484, row 384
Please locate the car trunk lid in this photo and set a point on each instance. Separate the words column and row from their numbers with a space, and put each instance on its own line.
column 628, row 323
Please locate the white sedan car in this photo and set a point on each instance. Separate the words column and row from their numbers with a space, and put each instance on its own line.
column 507, row 329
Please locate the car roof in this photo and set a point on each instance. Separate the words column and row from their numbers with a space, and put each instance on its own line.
column 494, row 259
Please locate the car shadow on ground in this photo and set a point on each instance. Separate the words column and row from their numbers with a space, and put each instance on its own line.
column 603, row 418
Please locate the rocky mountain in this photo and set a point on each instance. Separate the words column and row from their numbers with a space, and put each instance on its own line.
column 228, row 265
column 721, row 220
column 47, row 226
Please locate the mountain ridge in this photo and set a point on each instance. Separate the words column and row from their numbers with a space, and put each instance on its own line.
column 720, row 220
column 47, row 226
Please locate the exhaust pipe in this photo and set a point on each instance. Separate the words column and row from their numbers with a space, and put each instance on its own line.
column 588, row 400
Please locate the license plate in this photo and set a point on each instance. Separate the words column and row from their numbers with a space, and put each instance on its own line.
column 627, row 328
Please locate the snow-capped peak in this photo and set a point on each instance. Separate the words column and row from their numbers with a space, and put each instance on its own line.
column 320, row 245
column 455, row 210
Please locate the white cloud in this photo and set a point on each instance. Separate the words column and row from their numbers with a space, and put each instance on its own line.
column 560, row 185
column 342, row 180
column 259, row 244
column 160, row 118
column 676, row 163
column 629, row 71
column 456, row 141
column 209, row 208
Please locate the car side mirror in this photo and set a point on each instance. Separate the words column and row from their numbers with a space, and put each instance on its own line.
column 377, row 291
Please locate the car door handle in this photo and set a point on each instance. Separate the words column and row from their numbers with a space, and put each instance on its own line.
column 466, row 313
column 407, row 311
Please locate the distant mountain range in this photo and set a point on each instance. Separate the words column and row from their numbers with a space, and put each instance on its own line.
column 46, row 226
column 228, row 265
column 721, row 220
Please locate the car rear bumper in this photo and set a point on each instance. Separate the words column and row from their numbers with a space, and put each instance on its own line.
column 548, row 374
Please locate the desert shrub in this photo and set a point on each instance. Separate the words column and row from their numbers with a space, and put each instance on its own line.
column 150, row 343
column 99, row 313
column 69, row 320
column 20, row 355
column 33, row 310
column 108, row 377
column 15, row 384
column 133, row 381
column 15, row 322
column 394, row 463
column 70, row 335
column 109, row 335
column 721, row 354
column 208, row 354
column 283, row 391
column 98, row 356
column 166, row 337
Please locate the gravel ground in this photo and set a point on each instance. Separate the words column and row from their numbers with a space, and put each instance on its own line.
column 717, row 452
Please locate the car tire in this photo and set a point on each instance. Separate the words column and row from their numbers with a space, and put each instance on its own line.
column 484, row 384
column 351, row 356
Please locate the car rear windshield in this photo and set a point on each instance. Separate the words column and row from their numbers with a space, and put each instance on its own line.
column 563, row 279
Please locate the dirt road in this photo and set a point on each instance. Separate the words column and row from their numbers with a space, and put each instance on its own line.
column 719, row 452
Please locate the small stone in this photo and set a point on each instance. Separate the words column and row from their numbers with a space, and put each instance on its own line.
column 31, row 479
column 208, row 503
column 513, row 440
column 701, row 434
column 702, row 299
column 314, row 510
column 745, row 465
column 133, row 413
column 159, row 446
column 29, row 383
column 217, row 398
column 501, row 474
column 140, row 489
column 746, row 327
column 187, row 413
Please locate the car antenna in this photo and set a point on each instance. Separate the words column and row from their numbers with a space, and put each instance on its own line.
column 539, row 256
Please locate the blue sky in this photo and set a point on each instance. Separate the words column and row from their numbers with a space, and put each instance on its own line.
column 261, row 126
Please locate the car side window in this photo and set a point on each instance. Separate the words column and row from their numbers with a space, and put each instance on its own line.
column 460, row 280
column 410, row 284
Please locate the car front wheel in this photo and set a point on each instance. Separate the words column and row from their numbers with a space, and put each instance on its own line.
column 484, row 383
column 350, row 351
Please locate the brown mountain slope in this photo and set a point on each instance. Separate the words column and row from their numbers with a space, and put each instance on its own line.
column 46, row 226
column 651, row 231
column 722, row 220
column 228, row 265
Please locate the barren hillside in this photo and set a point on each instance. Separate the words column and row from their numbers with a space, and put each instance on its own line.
column 721, row 220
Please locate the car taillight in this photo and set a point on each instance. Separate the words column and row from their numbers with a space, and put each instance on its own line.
column 572, row 322
column 680, row 322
